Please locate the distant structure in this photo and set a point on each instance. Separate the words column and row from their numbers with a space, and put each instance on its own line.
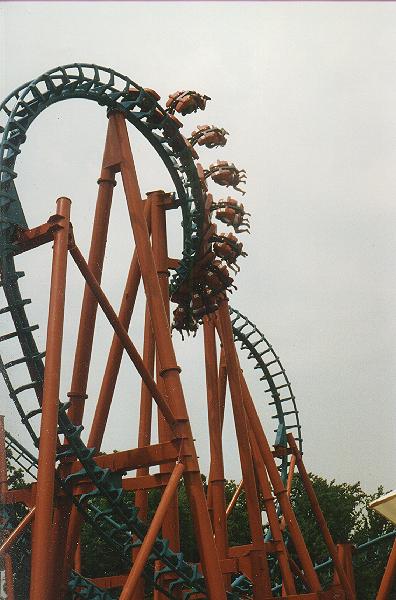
column 73, row 482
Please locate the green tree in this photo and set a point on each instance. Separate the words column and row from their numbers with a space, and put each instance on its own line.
column 370, row 564
column 344, row 507
column 20, row 551
column 15, row 475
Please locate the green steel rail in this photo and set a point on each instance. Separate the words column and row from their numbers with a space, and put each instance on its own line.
column 278, row 388
column 21, row 456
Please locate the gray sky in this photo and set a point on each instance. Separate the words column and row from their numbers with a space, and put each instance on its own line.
column 307, row 92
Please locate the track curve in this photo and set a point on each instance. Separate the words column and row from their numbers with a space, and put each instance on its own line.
column 113, row 90
column 274, row 375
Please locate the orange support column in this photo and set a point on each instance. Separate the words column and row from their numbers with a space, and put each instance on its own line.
column 83, row 352
column 261, row 578
column 116, row 351
column 86, row 330
column 170, row 526
column 149, row 540
column 345, row 552
column 144, row 435
column 344, row 580
column 42, row 552
column 222, row 385
column 9, row 577
column 279, row 489
column 234, row 499
column 107, row 390
column 389, row 576
column 27, row 519
column 221, row 394
column 169, row 368
column 216, row 480
column 273, row 520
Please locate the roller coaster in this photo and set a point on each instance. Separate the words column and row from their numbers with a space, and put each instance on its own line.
column 73, row 482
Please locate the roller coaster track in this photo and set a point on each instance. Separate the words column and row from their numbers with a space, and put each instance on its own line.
column 17, row 112
column 21, row 456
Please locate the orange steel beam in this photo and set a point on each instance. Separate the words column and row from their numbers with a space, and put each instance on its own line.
column 234, row 499
column 138, row 484
column 222, row 386
column 89, row 307
column 145, row 418
column 221, row 393
column 144, row 435
column 123, row 336
column 83, row 351
column 116, row 350
column 27, row 239
column 145, row 482
column 173, row 263
column 159, row 204
column 261, row 582
column 350, row 595
column 345, row 552
column 147, row 456
column 25, row 495
column 151, row 535
column 78, row 558
column 56, row 538
column 216, row 450
column 113, row 581
column 42, row 552
column 9, row 579
column 14, row 535
column 298, row 572
column 289, row 485
column 389, row 575
column 279, row 489
column 273, row 520
column 170, row 372
column 290, row 475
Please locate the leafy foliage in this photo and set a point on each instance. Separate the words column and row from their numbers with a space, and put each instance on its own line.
column 345, row 509
column 370, row 565
column 20, row 552
column 15, row 475
column 342, row 506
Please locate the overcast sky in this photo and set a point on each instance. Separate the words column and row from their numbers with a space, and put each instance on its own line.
column 307, row 92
